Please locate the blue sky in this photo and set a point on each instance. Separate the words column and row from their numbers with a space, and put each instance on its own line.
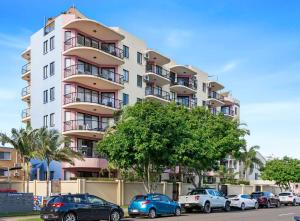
column 251, row 46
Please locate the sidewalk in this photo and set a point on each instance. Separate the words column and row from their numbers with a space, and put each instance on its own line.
column 17, row 218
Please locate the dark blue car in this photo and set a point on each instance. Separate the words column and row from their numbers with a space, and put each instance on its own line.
column 152, row 205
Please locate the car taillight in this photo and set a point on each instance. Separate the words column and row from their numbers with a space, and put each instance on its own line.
column 57, row 205
column 197, row 197
column 290, row 196
column 146, row 202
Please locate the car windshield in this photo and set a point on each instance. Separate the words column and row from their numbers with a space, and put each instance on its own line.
column 140, row 198
column 256, row 195
column 284, row 194
column 54, row 199
column 197, row 192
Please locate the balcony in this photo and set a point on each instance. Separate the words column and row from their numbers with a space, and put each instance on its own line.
column 25, row 94
column 98, row 78
column 157, row 74
column 155, row 93
column 92, row 103
column 94, row 29
column 186, row 102
column 157, row 57
column 215, row 86
column 184, row 87
column 26, row 115
column 26, row 72
column 227, row 111
column 87, row 163
column 26, row 54
column 183, row 70
column 215, row 99
column 89, row 129
column 95, row 51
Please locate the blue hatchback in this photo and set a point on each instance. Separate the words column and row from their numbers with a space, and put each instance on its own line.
column 152, row 205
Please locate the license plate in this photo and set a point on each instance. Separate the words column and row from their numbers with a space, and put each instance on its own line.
column 135, row 211
column 186, row 204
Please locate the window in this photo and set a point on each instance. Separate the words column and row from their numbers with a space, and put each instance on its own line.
column 125, row 75
column 52, row 43
column 52, row 96
column 52, row 68
column 45, row 47
column 3, row 172
column 67, row 35
column 139, row 58
column 52, row 120
column 203, row 103
column 45, row 122
column 126, row 51
column 125, row 99
column 95, row 200
column 204, row 87
column 139, row 81
column 45, row 70
column 139, row 99
column 5, row 156
column 45, row 96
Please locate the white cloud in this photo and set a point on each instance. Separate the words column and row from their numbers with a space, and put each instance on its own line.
column 13, row 41
column 6, row 94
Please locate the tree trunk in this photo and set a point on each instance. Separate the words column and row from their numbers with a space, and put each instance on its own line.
column 27, row 176
column 48, row 177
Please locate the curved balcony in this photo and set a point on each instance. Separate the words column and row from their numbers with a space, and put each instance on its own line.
column 92, row 103
column 25, row 94
column 183, row 70
column 157, row 57
column 157, row 74
column 89, row 129
column 184, row 87
column 155, row 93
column 26, row 115
column 227, row 111
column 87, row 163
column 98, row 52
column 102, row 78
column 26, row 54
column 26, row 69
column 215, row 99
column 190, row 103
column 94, row 29
column 215, row 86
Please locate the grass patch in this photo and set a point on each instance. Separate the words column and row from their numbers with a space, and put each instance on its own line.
column 31, row 219
column 12, row 214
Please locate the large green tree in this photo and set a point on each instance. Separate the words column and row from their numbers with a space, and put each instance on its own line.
column 23, row 141
column 52, row 146
column 145, row 139
column 283, row 171
column 211, row 138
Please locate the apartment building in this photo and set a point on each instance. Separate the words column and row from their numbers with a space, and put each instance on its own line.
column 9, row 161
column 79, row 72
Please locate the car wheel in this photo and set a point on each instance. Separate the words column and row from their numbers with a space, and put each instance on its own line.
column 268, row 204
column 278, row 204
column 256, row 206
column 115, row 216
column 152, row 213
column 294, row 203
column 227, row 207
column 207, row 208
column 177, row 211
column 70, row 217
column 243, row 206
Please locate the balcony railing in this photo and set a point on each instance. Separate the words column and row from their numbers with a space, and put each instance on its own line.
column 158, row 70
column 79, row 69
column 87, row 152
column 213, row 111
column 87, row 125
column 106, row 47
column 186, row 102
column 227, row 111
column 215, row 95
column 26, row 113
column 92, row 98
column 157, row 92
column 187, row 83
column 26, row 68
column 25, row 91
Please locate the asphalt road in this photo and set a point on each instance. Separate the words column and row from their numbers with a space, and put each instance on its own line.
column 284, row 213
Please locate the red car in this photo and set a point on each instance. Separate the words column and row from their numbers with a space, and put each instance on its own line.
column 266, row 199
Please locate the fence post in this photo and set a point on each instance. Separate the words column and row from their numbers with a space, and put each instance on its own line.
column 164, row 187
column 243, row 188
column 34, row 186
column 120, row 192
column 179, row 188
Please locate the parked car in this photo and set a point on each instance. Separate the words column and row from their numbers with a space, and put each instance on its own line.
column 75, row 207
column 266, row 199
column 243, row 201
column 287, row 198
column 152, row 205
column 204, row 199
column 297, row 218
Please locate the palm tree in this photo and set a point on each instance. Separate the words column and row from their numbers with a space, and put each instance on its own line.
column 23, row 141
column 52, row 146
column 249, row 159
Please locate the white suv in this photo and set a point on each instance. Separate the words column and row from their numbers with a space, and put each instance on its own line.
column 289, row 198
